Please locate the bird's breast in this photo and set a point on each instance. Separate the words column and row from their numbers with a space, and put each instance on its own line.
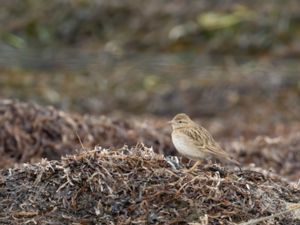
column 186, row 147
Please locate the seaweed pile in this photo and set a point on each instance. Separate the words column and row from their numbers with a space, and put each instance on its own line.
column 29, row 132
column 280, row 154
column 138, row 186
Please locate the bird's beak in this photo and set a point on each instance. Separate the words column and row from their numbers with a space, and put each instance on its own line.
column 170, row 122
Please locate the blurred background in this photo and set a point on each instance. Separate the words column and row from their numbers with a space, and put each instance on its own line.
column 235, row 63
column 231, row 65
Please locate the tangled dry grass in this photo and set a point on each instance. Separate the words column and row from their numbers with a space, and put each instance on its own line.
column 29, row 132
column 132, row 184
column 280, row 154
column 137, row 186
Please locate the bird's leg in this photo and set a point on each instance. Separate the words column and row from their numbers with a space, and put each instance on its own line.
column 197, row 163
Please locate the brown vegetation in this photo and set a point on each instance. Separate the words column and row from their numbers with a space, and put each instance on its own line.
column 126, row 69
column 137, row 186
column 29, row 132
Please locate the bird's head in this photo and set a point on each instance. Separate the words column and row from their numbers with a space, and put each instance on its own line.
column 181, row 120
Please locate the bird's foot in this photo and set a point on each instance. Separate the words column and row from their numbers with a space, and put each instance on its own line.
column 196, row 164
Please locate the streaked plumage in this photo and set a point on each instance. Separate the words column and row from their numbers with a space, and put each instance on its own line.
column 194, row 141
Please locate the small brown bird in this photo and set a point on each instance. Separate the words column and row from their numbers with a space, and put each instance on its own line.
column 195, row 142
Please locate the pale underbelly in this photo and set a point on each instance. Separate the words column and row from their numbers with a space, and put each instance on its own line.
column 186, row 148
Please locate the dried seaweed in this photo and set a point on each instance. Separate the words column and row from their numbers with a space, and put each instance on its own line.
column 137, row 186
column 280, row 154
column 29, row 132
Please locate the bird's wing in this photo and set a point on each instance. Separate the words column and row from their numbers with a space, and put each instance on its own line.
column 205, row 142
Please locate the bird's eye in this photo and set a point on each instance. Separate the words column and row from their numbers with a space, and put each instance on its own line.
column 180, row 121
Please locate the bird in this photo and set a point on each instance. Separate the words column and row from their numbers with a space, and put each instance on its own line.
column 195, row 142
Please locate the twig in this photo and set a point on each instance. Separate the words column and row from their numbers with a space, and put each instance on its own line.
column 82, row 146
